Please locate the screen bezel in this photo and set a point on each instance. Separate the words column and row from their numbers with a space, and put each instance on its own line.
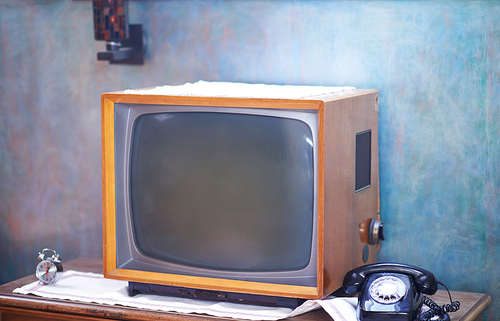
column 128, row 257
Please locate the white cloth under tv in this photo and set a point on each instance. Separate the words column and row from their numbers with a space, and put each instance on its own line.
column 242, row 90
column 94, row 288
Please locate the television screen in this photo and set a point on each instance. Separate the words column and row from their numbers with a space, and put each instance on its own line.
column 223, row 191
column 216, row 191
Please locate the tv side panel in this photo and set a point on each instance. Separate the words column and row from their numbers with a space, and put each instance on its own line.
column 108, row 184
column 344, row 207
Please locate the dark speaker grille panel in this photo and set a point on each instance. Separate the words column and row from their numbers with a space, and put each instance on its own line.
column 363, row 160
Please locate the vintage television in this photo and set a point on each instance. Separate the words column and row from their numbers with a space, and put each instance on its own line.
column 249, row 193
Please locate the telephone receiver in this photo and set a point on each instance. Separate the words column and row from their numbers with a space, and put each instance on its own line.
column 425, row 280
column 391, row 291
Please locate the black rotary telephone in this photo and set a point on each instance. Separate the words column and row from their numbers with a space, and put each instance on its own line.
column 394, row 291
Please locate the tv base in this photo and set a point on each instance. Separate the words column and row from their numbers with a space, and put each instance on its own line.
column 135, row 288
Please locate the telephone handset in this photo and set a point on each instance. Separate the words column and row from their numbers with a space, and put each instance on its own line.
column 395, row 291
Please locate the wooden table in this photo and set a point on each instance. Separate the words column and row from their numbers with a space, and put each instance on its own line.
column 29, row 307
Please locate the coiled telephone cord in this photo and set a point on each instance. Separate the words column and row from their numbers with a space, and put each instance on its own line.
column 441, row 311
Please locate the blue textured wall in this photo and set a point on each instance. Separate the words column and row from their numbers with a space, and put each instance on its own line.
column 435, row 63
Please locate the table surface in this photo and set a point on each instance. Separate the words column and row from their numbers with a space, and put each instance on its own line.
column 471, row 304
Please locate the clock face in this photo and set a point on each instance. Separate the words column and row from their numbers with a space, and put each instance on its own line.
column 46, row 271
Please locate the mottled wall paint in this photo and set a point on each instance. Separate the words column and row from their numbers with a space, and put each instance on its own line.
column 436, row 64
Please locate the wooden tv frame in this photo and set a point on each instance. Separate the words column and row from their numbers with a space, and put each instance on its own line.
column 341, row 211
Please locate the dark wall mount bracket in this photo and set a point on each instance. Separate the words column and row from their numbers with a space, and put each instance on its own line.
column 126, row 51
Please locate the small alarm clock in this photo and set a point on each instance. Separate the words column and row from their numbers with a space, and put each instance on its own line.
column 50, row 269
